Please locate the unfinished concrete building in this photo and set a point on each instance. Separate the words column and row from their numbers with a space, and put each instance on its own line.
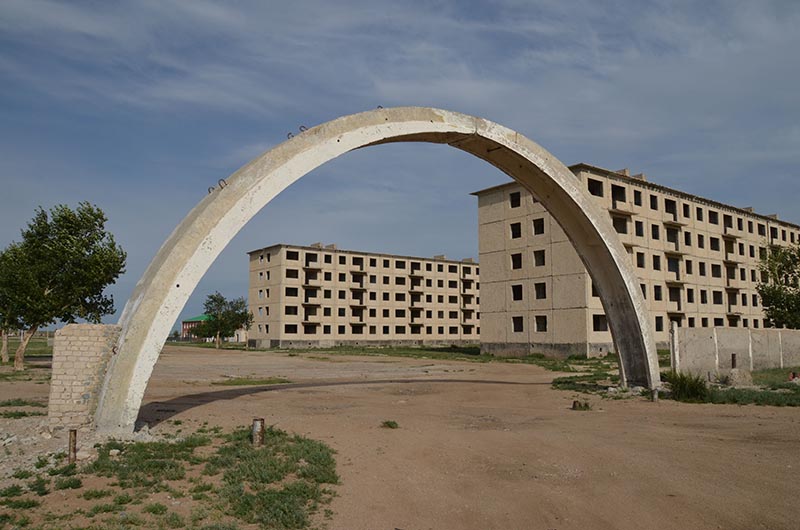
column 697, row 261
column 312, row 296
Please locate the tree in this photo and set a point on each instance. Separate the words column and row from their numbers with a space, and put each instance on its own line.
column 224, row 317
column 780, row 286
column 59, row 270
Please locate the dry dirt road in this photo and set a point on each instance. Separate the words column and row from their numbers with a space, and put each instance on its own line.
column 492, row 446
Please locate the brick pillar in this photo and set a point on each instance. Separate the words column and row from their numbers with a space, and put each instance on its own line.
column 80, row 358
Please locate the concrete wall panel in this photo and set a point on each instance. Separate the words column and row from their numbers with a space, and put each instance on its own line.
column 733, row 341
column 697, row 350
column 766, row 349
column 790, row 340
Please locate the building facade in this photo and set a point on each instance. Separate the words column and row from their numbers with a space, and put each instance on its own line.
column 307, row 296
column 697, row 261
column 189, row 324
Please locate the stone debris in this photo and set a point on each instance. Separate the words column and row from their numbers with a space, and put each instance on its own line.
column 739, row 377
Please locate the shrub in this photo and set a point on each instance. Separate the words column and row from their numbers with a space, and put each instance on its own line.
column 686, row 387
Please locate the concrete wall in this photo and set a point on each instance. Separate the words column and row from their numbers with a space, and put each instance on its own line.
column 80, row 356
column 704, row 350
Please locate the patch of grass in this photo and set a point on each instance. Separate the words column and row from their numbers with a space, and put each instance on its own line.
column 39, row 486
column 65, row 471
column 776, row 378
column 36, row 346
column 749, row 396
column 173, row 520
column 11, row 491
column 123, row 499
column 390, row 424
column 21, row 403
column 16, row 414
column 41, row 461
column 664, row 358
column 68, row 483
column 155, row 508
column 102, row 508
column 29, row 374
column 277, row 484
column 96, row 494
column 248, row 381
column 22, row 474
column 686, row 387
column 201, row 487
column 147, row 464
column 20, row 504
column 591, row 383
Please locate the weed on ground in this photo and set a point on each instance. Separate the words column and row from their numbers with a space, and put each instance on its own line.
column 21, row 403
column 222, row 481
column 773, row 389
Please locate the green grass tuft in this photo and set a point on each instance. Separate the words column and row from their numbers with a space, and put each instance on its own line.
column 11, row 491
column 68, row 483
column 21, row 403
column 686, row 387
column 390, row 424
column 20, row 504
column 155, row 508
column 96, row 494
column 39, row 486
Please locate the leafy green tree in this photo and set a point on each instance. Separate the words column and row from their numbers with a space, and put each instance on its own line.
column 225, row 317
column 780, row 286
column 59, row 270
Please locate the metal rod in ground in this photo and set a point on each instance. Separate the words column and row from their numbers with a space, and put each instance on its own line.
column 258, row 432
column 73, row 445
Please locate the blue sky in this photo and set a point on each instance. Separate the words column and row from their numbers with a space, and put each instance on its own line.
column 139, row 107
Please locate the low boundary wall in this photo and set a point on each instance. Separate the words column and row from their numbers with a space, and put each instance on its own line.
column 703, row 350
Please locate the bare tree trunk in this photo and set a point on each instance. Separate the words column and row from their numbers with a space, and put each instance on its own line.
column 217, row 341
column 19, row 357
column 4, row 347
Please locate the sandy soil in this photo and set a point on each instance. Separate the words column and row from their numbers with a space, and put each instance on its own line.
column 492, row 446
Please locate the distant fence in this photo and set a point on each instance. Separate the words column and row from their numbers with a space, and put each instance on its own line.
column 703, row 350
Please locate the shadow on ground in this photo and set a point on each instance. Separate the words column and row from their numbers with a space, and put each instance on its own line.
column 157, row 412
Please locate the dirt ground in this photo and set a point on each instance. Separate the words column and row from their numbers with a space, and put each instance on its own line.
column 492, row 446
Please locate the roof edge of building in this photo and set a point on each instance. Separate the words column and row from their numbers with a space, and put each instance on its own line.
column 465, row 261
column 648, row 184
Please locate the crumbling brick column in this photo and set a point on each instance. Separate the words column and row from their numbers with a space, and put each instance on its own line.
column 80, row 358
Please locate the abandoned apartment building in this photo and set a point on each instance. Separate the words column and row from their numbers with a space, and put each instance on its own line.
column 319, row 296
column 697, row 261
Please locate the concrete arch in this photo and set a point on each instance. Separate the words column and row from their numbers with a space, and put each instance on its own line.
column 192, row 247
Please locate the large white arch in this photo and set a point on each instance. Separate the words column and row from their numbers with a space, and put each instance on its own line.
column 192, row 247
